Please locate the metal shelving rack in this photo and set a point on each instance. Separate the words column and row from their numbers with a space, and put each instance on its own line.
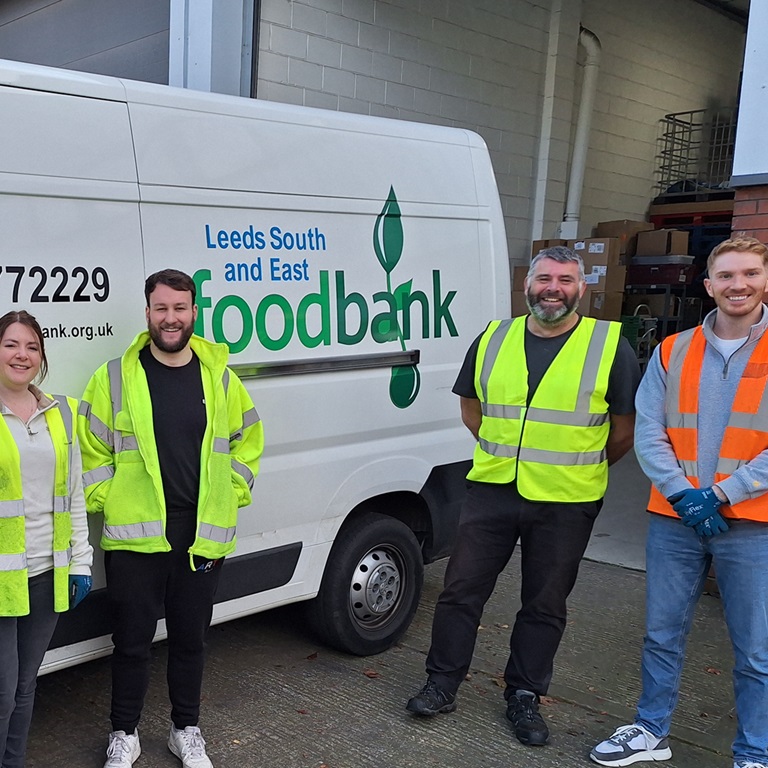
column 695, row 152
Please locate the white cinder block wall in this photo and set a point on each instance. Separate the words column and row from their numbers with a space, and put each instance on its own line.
column 657, row 57
column 476, row 65
column 487, row 65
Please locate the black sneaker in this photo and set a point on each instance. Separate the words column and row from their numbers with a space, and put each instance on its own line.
column 431, row 700
column 523, row 713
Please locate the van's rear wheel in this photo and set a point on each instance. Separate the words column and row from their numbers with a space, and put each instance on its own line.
column 371, row 586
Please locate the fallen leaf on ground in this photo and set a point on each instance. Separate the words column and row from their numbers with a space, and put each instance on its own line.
column 371, row 673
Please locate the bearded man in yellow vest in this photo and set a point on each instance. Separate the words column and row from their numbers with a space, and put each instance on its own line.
column 702, row 439
column 171, row 445
column 549, row 397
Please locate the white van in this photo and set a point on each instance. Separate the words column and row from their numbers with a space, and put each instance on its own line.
column 347, row 261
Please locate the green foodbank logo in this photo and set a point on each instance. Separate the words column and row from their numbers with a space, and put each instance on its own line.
column 405, row 380
column 346, row 317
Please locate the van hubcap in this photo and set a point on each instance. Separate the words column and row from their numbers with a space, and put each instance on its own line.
column 376, row 586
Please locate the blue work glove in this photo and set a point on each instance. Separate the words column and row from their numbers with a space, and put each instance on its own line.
column 697, row 508
column 79, row 587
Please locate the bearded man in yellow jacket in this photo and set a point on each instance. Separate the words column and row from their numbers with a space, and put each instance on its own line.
column 171, row 444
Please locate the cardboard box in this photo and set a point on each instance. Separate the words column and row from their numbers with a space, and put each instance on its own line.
column 604, row 277
column 660, row 242
column 518, row 278
column 607, row 247
column 519, row 306
column 625, row 230
column 540, row 245
column 602, row 305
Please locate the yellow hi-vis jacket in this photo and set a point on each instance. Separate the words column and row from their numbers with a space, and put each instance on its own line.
column 121, row 469
column 554, row 447
column 14, row 588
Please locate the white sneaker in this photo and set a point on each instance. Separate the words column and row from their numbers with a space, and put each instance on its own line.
column 123, row 750
column 189, row 746
column 631, row 744
column 748, row 764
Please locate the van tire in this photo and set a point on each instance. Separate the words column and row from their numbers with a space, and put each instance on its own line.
column 375, row 562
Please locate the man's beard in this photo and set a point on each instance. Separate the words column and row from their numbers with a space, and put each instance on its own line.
column 547, row 315
column 178, row 345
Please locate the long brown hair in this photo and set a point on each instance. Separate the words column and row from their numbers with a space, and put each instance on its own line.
column 23, row 317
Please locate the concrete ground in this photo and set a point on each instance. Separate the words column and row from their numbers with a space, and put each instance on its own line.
column 274, row 697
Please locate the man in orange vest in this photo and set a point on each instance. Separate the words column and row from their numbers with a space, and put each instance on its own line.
column 709, row 469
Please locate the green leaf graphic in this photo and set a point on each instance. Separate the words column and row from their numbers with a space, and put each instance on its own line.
column 401, row 292
column 404, row 385
column 388, row 234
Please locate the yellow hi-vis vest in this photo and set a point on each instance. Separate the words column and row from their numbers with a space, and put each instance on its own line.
column 555, row 447
column 14, row 589
column 121, row 467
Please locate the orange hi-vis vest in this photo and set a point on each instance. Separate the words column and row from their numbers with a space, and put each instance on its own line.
column 746, row 434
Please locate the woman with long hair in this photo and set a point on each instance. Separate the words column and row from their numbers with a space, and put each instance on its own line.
column 45, row 557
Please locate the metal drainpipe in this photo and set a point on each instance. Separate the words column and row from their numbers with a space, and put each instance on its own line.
column 581, row 141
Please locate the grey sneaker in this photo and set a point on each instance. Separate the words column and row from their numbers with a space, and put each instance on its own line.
column 631, row 744
column 431, row 700
column 189, row 746
column 123, row 750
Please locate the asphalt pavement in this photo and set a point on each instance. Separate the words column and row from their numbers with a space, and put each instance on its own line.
column 275, row 697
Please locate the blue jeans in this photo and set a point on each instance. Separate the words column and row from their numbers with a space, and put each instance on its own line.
column 677, row 562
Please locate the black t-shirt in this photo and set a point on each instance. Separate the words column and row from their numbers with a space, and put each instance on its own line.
column 179, row 418
column 539, row 354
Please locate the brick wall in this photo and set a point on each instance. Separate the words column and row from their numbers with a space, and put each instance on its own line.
column 750, row 212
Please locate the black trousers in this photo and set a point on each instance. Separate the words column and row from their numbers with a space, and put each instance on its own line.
column 552, row 539
column 146, row 587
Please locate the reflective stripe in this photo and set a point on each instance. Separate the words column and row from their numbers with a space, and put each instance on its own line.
column 591, row 367
column 541, row 456
column 220, row 445
column 133, row 530
column 243, row 471
column 567, row 418
column 129, row 443
column 96, row 425
column 682, row 420
column 98, row 475
column 66, row 415
column 225, row 380
column 250, row 417
column 62, row 503
column 12, row 508
column 724, row 466
column 491, row 354
column 13, row 562
column 688, row 467
column 62, row 559
column 497, row 449
column 545, row 415
column 216, row 533
column 501, row 411
column 115, row 373
column 752, row 421
column 562, row 459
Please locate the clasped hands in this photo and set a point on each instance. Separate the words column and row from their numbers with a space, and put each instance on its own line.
column 697, row 508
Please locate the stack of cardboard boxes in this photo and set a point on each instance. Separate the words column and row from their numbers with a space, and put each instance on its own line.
column 605, row 257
